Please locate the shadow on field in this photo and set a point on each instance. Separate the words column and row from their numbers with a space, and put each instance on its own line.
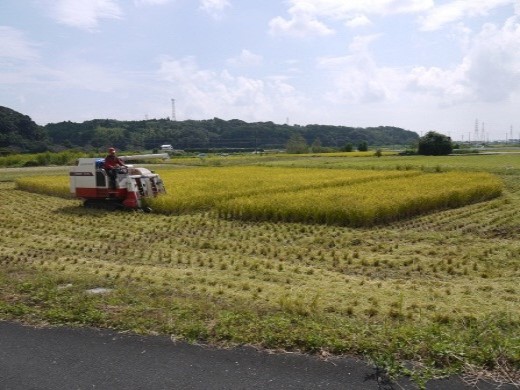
column 82, row 211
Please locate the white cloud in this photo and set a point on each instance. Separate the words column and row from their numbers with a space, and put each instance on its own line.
column 246, row 59
column 215, row 8
column 490, row 70
column 361, row 43
column 300, row 25
column 207, row 93
column 356, row 77
column 358, row 21
column 83, row 14
column 449, row 85
column 15, row 46
column 456, row 10
column 345, row 9
column 151, row 2
column 494, row 61
column 310, row 17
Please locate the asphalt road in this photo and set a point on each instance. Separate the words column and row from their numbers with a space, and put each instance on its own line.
column 64, row 358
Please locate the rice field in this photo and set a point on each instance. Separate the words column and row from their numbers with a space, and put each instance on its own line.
column 427, row 295
column 330, row 196
column 367, row 203
column 49, row 185
column 204, row 188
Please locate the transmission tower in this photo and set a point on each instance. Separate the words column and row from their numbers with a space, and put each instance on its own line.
column 476, row 130
column 173, row 110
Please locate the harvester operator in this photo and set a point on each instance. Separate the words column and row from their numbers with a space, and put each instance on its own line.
column 112, row 165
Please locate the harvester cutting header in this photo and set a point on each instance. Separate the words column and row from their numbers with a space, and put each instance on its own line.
column 111, row 183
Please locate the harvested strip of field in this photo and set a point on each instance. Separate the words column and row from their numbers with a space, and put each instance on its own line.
column 365, row 204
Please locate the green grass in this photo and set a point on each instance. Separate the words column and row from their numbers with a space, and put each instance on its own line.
column 436, row 294
column 507, row 163
column 499, row 162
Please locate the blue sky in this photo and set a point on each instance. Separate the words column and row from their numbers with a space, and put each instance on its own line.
column 452, row 66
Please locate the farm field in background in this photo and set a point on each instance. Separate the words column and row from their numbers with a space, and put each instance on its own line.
column 500, row 162
column 505, row 163
column 432, row 294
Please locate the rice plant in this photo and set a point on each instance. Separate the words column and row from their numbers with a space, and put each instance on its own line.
column 365, row 204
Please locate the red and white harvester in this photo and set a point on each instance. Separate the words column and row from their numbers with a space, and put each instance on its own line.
column 89, row 181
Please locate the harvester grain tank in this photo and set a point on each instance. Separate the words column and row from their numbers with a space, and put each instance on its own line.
column 89, row 181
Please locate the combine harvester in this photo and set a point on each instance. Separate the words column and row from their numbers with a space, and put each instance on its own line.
column 89, row 181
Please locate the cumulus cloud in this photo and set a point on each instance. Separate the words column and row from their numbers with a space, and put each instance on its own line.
column 356, row 77
column 311, row 17
column 246, row 58
column 151, row 2
column 315, row 17
column 206, row 93
column 358, row 21
column 210, row 89
column 301, row 23
column 342, row 9
column 450, row 85
column 83, row 14
column 215, row 8
column 490, row 70
column 456, row 10
column 15, row 46
column 494, row 61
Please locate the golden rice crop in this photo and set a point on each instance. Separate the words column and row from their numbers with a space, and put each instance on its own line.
column 47, row 185
column 364, row 204
column 197, row 189
column 332, row 196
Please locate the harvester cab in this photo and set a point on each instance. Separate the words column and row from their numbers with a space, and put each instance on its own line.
column 131, row 185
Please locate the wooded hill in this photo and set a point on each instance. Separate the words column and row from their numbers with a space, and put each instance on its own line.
column 18, row 132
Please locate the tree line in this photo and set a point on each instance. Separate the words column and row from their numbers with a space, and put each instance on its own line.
column 18, row 133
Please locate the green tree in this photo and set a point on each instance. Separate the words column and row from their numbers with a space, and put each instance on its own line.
column 297, row 144
column 18, row 133
column 435, row 144
column 348, row 147
column 316, row 146
column 106, row 136
column 363, row 146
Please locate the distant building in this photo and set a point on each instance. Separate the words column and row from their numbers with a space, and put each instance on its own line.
column 166, row 148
